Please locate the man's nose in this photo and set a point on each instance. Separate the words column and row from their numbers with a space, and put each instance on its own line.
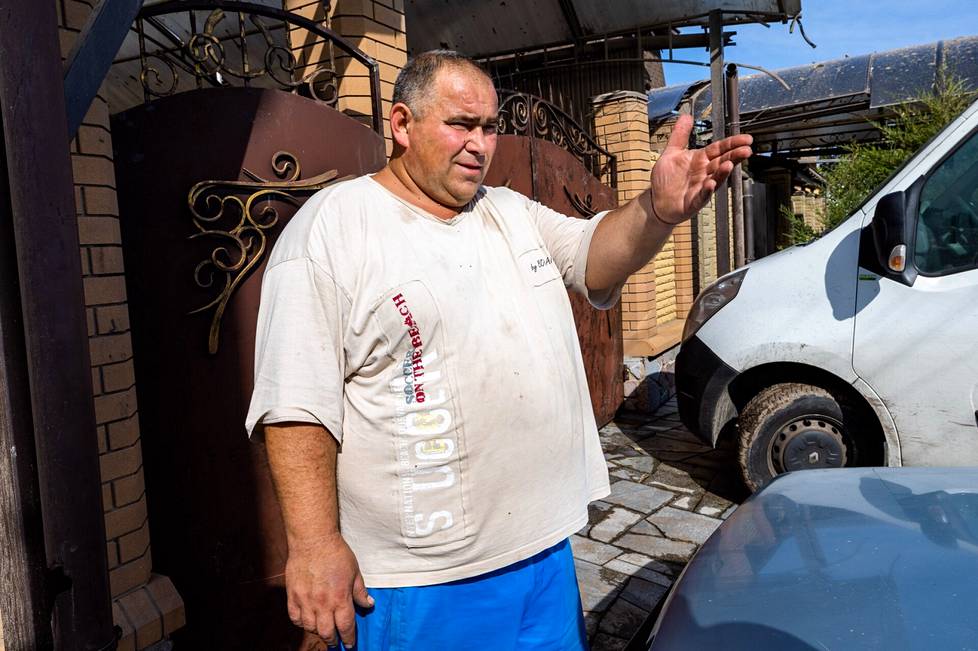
column 476, row 143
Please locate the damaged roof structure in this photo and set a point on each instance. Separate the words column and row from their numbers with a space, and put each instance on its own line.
column 486, row 28
column 817, row 108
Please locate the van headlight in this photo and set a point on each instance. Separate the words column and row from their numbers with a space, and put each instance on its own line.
column 711, row 300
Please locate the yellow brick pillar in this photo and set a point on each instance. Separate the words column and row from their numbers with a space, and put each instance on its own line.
column 376, row 27
column 622, row 126
column 145, row 606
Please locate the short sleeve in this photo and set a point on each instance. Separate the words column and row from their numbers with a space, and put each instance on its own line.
column 568, row 240
column 299, row 352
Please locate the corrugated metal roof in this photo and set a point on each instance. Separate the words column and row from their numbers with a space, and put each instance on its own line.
column 481, row 28
column 886, row 78
column 831, row 101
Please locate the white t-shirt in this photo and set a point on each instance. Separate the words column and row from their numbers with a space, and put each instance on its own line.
column 444, row 358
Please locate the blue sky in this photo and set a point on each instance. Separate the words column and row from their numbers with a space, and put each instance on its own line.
column 838, row 28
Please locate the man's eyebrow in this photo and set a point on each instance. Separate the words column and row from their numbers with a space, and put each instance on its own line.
column 473, row 119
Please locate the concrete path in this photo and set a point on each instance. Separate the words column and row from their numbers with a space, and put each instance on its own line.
column 668, row 493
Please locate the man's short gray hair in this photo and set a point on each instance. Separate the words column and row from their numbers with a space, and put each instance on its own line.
column 415, row 81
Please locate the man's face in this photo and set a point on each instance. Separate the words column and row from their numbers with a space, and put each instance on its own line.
column 454, row 138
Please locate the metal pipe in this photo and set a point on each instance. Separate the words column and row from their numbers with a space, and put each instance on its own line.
column 750, row 254
column 736, row 176
column 53, row 326
column 719, row 132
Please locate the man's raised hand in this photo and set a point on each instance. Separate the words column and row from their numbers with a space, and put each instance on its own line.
column 683, row 179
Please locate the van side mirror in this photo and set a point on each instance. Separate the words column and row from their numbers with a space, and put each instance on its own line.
column 893, row 233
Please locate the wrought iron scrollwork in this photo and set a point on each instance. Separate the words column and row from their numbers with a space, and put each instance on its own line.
column 585, row 205
column 221, row 51
column 239, row 214
column 527, row 115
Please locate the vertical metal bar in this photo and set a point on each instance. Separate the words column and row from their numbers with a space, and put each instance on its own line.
column 749, row 219
column 141, row 35
column 245, row 68
column 193, row 30
column 45, row 238
column 531, row 123
column 736, row 176
column 719, row 132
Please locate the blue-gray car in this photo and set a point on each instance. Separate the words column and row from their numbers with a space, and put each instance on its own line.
column 857, row 558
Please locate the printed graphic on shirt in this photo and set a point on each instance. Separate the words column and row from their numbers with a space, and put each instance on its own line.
column 427, row 440
column 538, row 267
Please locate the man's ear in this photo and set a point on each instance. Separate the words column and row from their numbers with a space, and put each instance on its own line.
column 401, row 119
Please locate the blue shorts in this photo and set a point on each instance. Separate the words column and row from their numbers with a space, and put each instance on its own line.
column 533, row 604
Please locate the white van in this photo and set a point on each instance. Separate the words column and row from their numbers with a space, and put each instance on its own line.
column 859, row 348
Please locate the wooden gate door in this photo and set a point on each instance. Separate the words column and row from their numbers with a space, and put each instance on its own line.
column 544, row 155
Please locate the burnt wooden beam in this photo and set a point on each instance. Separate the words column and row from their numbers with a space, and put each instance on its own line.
column 683, row 41
column 42, row 311
column 22, row 564
column 92, row 55
column 570, row 15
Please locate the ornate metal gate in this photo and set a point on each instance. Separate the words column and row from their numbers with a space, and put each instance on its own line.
column 207, row 179
column 228, row 134
column 545, row 155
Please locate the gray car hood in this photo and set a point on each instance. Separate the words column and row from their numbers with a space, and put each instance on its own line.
column 837, row 559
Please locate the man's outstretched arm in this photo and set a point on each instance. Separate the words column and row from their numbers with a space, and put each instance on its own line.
column 322, row 578
column 681, row 183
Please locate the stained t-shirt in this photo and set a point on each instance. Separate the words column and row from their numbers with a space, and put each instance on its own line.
column 442, row 354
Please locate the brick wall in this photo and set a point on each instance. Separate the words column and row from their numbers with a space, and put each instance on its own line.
column 706, row 244
column 621, row 125
column 146, row 606
column 667, row 293
column 377, row 28
column 810, row 204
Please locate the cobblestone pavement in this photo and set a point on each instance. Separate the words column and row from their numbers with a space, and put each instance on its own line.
column 668, row 493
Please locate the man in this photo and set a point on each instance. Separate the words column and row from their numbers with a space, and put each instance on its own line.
column 420, row 386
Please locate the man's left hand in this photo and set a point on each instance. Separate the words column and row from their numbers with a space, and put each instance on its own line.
column 683, row 179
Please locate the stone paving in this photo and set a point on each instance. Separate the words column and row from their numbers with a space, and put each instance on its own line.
column 668, row 493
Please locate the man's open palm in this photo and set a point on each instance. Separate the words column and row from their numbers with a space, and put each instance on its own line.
column 683, row 179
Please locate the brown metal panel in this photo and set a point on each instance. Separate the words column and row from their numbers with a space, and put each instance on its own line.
column 214, row 518
column 562, row 183
column 511, row 165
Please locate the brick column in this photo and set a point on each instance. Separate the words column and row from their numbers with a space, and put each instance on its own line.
column 677, row 295
column 685, row 263
column 146, row 606
column 622, row 126
column 377, row 28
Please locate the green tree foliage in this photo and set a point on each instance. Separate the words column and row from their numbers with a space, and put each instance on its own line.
column 865, row 166
column 798, row 231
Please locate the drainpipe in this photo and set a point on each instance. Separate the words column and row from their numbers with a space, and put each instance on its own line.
column 750, row 255
column 719, row 133
column 50, row 381
column 736, row 176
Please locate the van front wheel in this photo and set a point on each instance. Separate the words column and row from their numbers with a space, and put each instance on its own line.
column 790, row 427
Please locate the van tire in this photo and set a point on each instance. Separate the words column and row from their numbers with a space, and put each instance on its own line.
column 789, row 427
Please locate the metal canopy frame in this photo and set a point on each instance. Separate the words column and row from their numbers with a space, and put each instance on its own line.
column 832, row 103
column 476, row 27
